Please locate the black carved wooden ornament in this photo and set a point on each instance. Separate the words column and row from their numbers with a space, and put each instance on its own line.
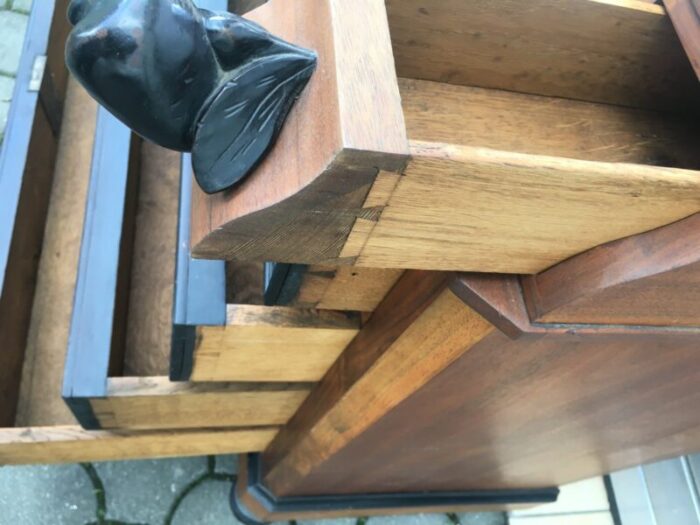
column 189, row 79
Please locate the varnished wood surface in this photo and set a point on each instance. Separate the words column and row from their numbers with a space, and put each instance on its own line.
column 647, row 279
column 417, row 331
column 477, row 209
column 301, row 202
column 503, row 120
column 531, row 407
column 40, row 400
column 156, row 403
column 72, row 444
column 622, row 52
column 266, row 343
column 685, row 15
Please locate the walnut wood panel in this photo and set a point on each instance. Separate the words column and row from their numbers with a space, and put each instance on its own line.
column 267, row 343
column 40, row 400
column 72, row 444
column 301, row 202
column 466, row 208
column 648, row 279
column 622, row 52
column 417, row 331
column 685, row 15
column 156, row 403
column 151, row 279
column 502, row 120
column 537, row 408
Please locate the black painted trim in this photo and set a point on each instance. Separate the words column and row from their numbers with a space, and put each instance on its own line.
column 20, row 120
column 200, row 288
column 360, row 503
column 90, row 336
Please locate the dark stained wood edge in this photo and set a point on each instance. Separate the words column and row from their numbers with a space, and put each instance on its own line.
column 199, row 291
column 499, row 299
column 241, row 7
column 685, row 15
column 630, row 259
column 249, row 483
column 90, row 336
column 27, row 158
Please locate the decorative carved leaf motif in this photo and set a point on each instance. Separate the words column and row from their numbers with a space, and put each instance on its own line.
column 246, row 116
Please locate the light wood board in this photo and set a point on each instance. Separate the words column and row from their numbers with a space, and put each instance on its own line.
column 476, row 209
column 264, row 343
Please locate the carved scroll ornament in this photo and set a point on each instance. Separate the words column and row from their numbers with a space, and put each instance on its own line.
column 189, row 79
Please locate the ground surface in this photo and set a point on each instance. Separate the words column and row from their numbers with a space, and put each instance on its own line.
column 190, row 491
column 13, row 24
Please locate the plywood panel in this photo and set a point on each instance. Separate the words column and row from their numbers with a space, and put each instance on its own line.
column 263, row 343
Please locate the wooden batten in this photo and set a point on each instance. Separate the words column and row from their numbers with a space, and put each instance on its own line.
column 263, row 343
column 621, row 52
column 156, row 403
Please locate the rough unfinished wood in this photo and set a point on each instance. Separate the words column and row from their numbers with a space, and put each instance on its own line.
column 40, row 399
column 622, row 52
column 265, row 343
column 301, row 202
column 486, row 210
column 150, row 312
column 72, row 444
column 417, row 331
column 149, row 403
column 502, row 120
column 649, row 279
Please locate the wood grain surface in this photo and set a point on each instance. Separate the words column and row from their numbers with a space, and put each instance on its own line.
column 150, row 308
column 685, row 15
column 72, row 444
column 648, row 279
column 535, row 407
column 622, row 52
column 148, row 403
column 417, row 331
column 302, row 201
column 503, row 120
column 40, row 400
column 266, row 343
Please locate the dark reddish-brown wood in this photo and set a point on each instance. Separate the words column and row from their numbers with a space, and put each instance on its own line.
column 418, row 330
column 648, row 279
column 685, row 15
column 545, row 406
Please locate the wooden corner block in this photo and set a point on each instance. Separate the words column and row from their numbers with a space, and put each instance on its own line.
column 302, row 201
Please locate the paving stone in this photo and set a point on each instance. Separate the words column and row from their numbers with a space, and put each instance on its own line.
column 483, row 518
column 22, row 5
column 208, row 504
column 12, row 28
column 142, row 491
column 7, row 84
column 45, row 495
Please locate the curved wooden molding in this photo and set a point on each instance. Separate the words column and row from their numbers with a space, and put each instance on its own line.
column 648, row 279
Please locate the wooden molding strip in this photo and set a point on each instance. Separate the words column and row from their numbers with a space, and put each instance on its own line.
column 417, row 330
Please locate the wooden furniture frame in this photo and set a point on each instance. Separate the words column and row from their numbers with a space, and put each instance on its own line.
column 380, row 155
